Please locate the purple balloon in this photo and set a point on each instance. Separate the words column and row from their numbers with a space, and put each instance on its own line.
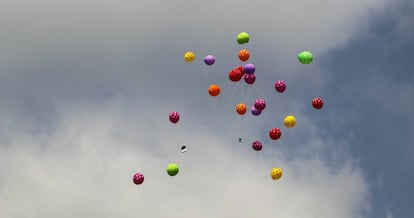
column 260, row 104
column 249, row 68
column 209, row 60
column 174, row 117
column 249, row 78
column 280, row 86
column 254, row 111
column 138, row 178
column 257, row 145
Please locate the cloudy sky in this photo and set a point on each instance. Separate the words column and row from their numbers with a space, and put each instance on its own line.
column 86, row 88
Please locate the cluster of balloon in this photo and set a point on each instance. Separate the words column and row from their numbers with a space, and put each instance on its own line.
column 246, row 71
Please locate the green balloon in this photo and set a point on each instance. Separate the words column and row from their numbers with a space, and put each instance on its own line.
column 243, row 37
column 172, row 169
column 305, row 57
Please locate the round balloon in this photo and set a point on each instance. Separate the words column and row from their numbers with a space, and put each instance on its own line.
column 214, row 90
column 244, row 55
column 317, row 103
column 305, row 57
column 138, row 178
column 243, row 38
column 174, row 116
column 290, row 121
column 249, row 78
column 257, row 145
column 276, row 173
column 255, row 112
column 189, row 56
column 209, row 60
column 260, row 104
column 235, row 75
column 249, row 68
column 275, row 133
column 280, row 86
column 241, row 108
column 172, row 169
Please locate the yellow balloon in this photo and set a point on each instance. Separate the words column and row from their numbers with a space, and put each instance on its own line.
column 276, row 173
column 290, row 121
column 189, row 56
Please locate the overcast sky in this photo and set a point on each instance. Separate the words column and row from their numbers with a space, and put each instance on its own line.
column 86, row 88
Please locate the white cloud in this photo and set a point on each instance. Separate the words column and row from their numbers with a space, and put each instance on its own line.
column 85, row 169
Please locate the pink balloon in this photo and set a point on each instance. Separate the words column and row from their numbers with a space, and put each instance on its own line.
column 257, row 145
column 174, row 117
column 280, row 86
column 260, row 104
column 138, row 178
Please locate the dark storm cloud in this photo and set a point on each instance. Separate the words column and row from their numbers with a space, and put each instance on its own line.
column 371, row 84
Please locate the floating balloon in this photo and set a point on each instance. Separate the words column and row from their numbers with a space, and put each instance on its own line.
column 241, row 108
column 280, row 86
column 214, row 90
column 174, row 116
column 276, row 173
column 249, row 68
column 138, row 178
column 257, row 145
column 243, row 37
column 244, row 55
column 254, row 111
column 235, row 75
column 209, row 60
column 275, row 133
column 189, row 56
column 249, row 78
column 260, row 104
column 317, row 103
column 172, row 169
column 290, row 121
column 305, row 57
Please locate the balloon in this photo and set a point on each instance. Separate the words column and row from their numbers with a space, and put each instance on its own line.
column 138, row 178
column 249, row 68
column 214, row 90
column 249, row 78
column 241, row 108
column 257, row 145
column 235, row 75
column 305, row 57
column 174, row 116
column 260, row 104
column 189, row 56
column 317, row 103
column 209, row 60
column 290, row 121
column 280, row 86
column 254, row 111
column 275, row 133
column 276, row 173
column 244, row 55
column 243, row 37
column 172, row 169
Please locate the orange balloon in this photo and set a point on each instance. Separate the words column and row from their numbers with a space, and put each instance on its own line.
column 244, row 55
column 214, row 90
column 241, row 108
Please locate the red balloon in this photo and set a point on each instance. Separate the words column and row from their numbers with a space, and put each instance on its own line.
column 235, row 75
column 275, row 133
column 317, row 103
